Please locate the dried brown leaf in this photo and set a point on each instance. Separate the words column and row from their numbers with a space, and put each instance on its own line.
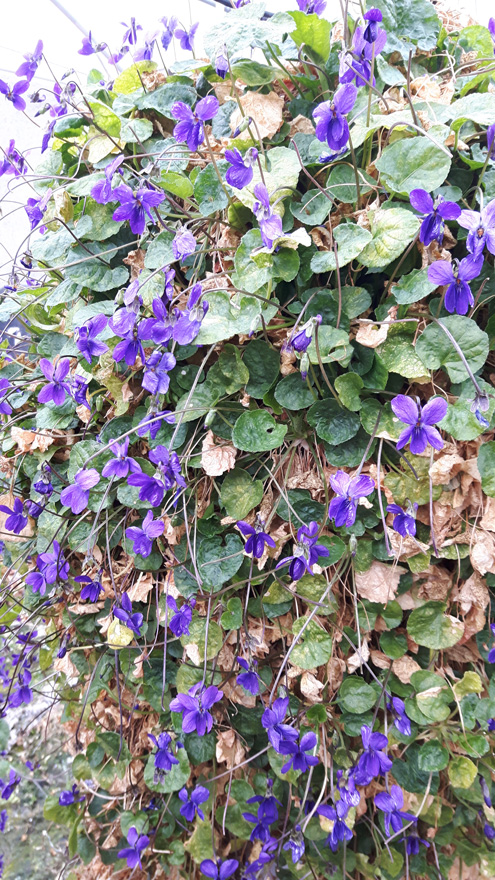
column 380, row 582
column 266, row 110
column 217, row 458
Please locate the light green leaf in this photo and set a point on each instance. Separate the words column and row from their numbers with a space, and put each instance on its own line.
column 243, row 28
column 228, row 316
column 411, row 163
column 197, row 637
column 398, row 353
column 315, row 647
column 356, row 696
column 351, row 239
column 486, row 467
column 435, row 349
column 348, row 387
column 462, row 772
column 128, row 81
column 408, row 23
column 283, row 174
column 413, row 287
column 314, row 32
column 208, row 192
column 392, row 231
column 240, row 493
column 429, row 626
column 257, row 431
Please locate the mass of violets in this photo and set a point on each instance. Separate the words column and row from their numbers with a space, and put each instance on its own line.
column 141, row 340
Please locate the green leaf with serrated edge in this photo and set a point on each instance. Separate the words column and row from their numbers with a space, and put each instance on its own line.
column 429, row 626
column 392, row 231
column 411, row 164
column 351, row 240
column 413, row 287
column 355, row 696
column 293, row 393
column 314, row 33
column 240, row 493
column 348, row 387
column 232, row 617
column 129, row 80
column 433, row 757
column 398, row 353
column 333, row 423
column 462, row 772
column 314, row 648
column 257, row 431
column 218, row 562
column 228, row 316
column 263, row 363
column 435, row 349
column 333, row 345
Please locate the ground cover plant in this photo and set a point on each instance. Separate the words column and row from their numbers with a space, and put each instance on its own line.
column 247, row 471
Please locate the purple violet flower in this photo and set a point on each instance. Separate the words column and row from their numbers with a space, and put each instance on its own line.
column 181, row 619
column 156, row 378
column 3, row 820
column 192, row 805
column 240, row 173
column 23, row 694
column 491, row 653
column 67, row 798
column 372, row 762
column 434, row 214
column 391, row 804
column 194, row 707
column 17, row 519
column 412, row 841
column 187, row 41
column 91, row 589
column 184, row 243
column 79, row 390
column 256, row 537
column 273, row 722
column 8, row 787
column 123, row 612
column 401, row 721
column 300, row 759
column 481, row 228
column 89, row 47
column 14, row 162
column 221, row 65
column 404, row 521
column 249, row 679
column 305, row 552
column 420, row 421
column 51, row 567
column 77, row 496
column 14, row 94
column 219, row 870
column 331, row 125
column 458, row 296
column 137, row 843
column 29, row 67
column 163, row 757
column 122, row 464
column 270, row 223
column 131, row 32
column 131, row 346
column 295, row 842
column 35, row 209
column 301, row 339
column 343, row 508
column 102, row 191
column 153, row 420
column 188, row 323
column 56, row 388
column 485, row 791
column 5, row 407
column 142, row 538
column 169, row 26
column 310, row 7
column 373, row 17
column 134, row 206
column 190, row 128
column 86, row 340
column 340, row 830
column 490, row 141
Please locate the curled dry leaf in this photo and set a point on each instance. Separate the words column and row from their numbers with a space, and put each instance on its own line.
column 379, row 583
column 29, row 441
column 311, row 687
column 266, row 110
column 140, row 589
column 216, row 459
column 356, row 660
column 404, row 667
column 372, row 335
column 482, row 552
column 229, row 749
column 473, row 598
